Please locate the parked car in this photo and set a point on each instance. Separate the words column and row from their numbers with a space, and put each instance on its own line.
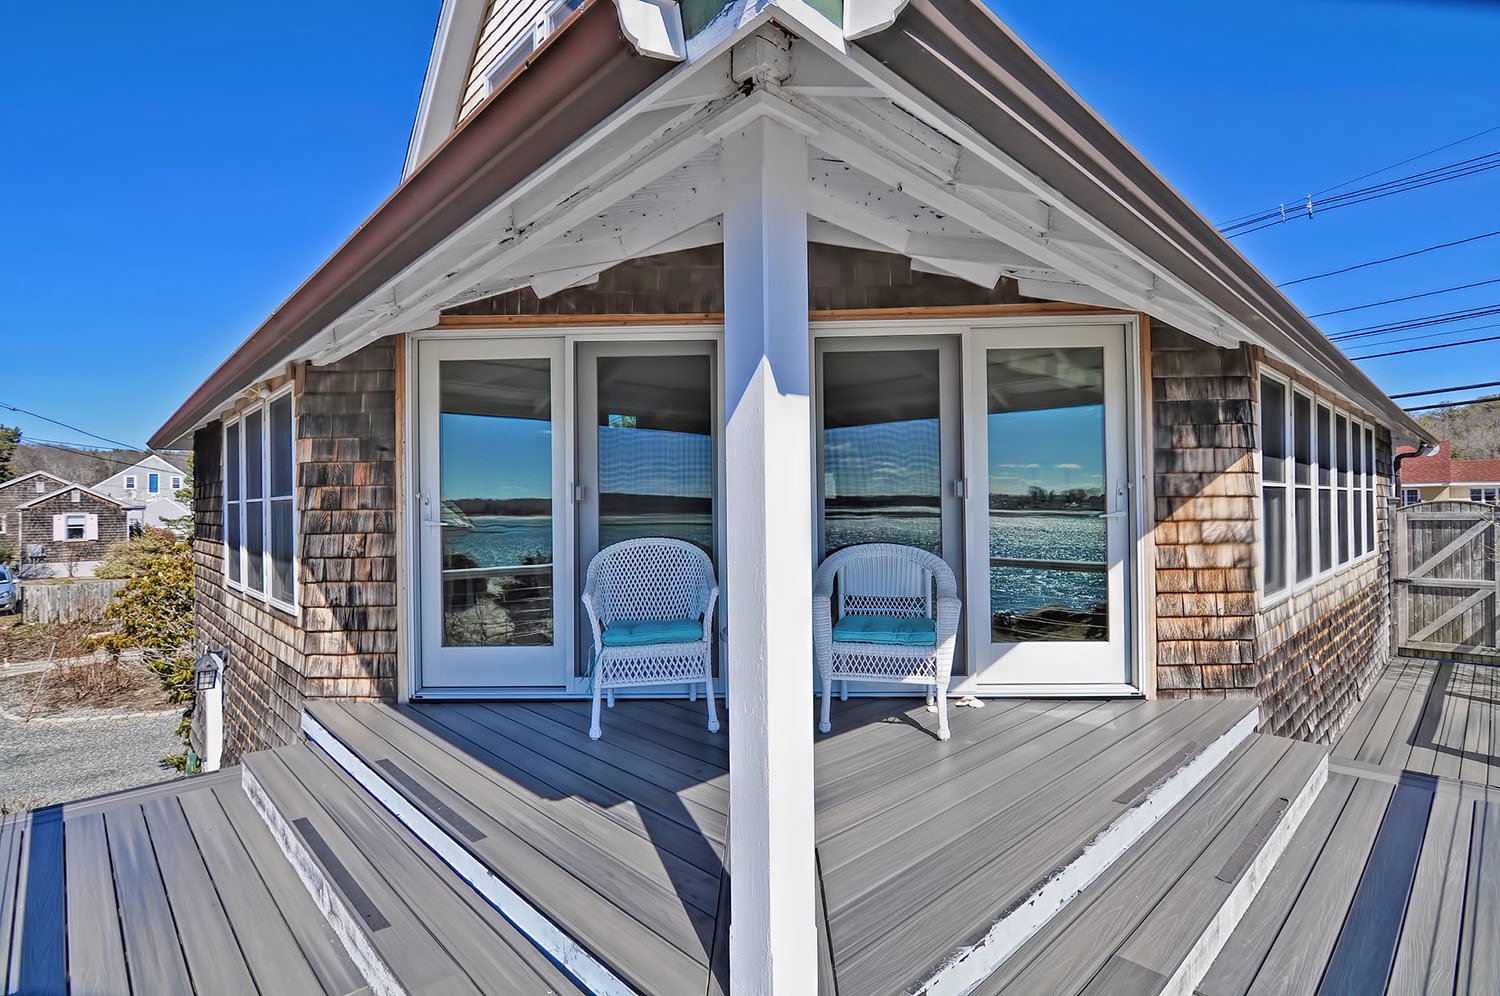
column 10, row 592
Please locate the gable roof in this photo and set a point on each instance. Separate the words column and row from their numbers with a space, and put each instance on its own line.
column 945, row 61
column 43, row 499
column 151, row 461
column 35, row 473
column 1441, row 468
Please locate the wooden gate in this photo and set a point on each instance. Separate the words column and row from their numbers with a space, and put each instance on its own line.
column 1447, row 582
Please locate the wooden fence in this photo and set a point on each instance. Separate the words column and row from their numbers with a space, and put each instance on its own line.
column 1447, row 574
column 69, row 602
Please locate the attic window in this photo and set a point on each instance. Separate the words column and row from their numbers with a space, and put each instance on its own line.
column 40, row 487
column 129, row 483
column 519, row 50
column 76, row 496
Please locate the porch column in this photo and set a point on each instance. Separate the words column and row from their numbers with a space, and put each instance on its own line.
column 768, row 505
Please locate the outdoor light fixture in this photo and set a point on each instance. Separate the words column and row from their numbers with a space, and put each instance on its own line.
column 207, row 667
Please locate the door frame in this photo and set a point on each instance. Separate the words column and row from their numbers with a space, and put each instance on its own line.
column 409, row 685
column 1140, row 503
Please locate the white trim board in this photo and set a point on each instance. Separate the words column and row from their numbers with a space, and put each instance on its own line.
column 591, row 973
column 970, row 966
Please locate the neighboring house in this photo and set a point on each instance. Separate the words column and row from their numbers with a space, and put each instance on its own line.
column 148, row 490
column 16, row 492
column 1439, row 477
column 777, row 283
column 65, row 532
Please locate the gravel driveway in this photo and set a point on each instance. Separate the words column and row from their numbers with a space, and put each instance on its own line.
column 51, row 760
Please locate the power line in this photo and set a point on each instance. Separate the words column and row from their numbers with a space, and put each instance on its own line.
column 53, row 444
column 1415, row 181
column 1423, row 349
column 1447, row 390
column 1423, row 321
column 1389, row 259
column 74, row 428
column 1386, row 169
column 1487, row 399
column 1409, row 297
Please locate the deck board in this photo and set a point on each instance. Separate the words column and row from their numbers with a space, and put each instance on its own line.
column 99, row 965
column 155, row 955
column 38, row 929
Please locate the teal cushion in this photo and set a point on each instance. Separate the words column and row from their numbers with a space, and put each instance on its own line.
column 639, row 632
column 890, row 631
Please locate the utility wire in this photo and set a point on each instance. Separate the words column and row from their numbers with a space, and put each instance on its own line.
column 74, row 428
column 1422, row 321
column 1447, row 390
column 1389, row 259
column 1386, row 169
column 53, row 444
column 1409, row 297
column 1424, row 349
column 1487, row 399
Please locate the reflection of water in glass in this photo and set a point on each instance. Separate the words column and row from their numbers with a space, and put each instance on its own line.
column 921, row 528
column 697, row 529
column 1028, row 603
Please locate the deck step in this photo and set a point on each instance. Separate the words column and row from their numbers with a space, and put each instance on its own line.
column 1156, row 919
column 408, row 922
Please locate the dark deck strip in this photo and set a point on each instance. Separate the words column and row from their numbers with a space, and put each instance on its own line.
column 546, row 860
column 153, row 948
column 1069, row 951
column 555, row 788
column 1308, row 934
column 674, row 755
column 214, row 960
column 38, row 931
column 1426, row 955
column 96, row 948
column 407, row 946
column 1242, row 955
column 1479, row 963
column 277, row 961
column 486, row 946
column 948, row 898
column 1366, row 948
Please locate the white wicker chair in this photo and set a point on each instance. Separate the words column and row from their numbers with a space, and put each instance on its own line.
column 652, row 580
column 886, row 580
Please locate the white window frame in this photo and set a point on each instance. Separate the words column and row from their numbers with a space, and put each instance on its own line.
column 1411, row 496
column 176, row 483
column 1489, row 495
column 129, row 482
column 1362, row 490
column 83, row 527
column 263, row 408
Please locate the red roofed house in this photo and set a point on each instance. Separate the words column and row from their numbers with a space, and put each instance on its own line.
column 1442, row 478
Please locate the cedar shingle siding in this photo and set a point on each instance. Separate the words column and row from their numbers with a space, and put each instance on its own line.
column 36, row 527
column 345, row 641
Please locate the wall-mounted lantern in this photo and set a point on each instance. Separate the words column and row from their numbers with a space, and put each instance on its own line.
column 207, row 667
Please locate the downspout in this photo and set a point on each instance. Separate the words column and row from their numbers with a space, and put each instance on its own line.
column 1431, row 449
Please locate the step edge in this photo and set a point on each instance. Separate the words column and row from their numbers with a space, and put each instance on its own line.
column 1195, row 965
column 966, row 968
column 591, row 973
column 345, row 925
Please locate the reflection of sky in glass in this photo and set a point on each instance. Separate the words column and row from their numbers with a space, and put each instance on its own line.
column 487, row 457
column 655, row 462
column 883, row 458
column 1052, row 448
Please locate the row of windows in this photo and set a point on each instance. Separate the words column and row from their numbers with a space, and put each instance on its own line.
column 1411, row 496
column 1317, row 487
column 259, row 524
column 153, row 483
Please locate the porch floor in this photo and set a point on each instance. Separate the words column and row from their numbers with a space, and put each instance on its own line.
column 921, row 844
column 1392, row 883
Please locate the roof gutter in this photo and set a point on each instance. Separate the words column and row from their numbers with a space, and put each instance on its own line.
column 581, row 74
column 949, row 48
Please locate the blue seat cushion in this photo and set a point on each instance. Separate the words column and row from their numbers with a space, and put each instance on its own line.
column 639, row 632
column 891, row 631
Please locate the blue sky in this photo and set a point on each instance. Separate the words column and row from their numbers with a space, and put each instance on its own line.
column 179, row 168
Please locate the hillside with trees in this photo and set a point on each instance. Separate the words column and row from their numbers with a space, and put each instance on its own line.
column 76, row 464
column 1474, row 429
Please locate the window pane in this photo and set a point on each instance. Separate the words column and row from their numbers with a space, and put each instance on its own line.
column 1357, row 543
column 281, row 447
column 1341, row 447
column 1325, row 446
column 1302, row 437
column 1325, row 529
column 1272, row 430
column 255, row 546
column 1303, row 514
column 281, row 549
column 232, row 462
column 1370, row 492
column 232, row 540
column 253, row 458
column 1343, row 526
column 1274, row 502
column 880, row 449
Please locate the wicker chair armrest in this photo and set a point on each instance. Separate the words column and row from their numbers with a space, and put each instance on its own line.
column 593, row 614
column 708, row 613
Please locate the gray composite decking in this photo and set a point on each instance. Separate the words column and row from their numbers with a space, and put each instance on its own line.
column 1392, row 884
column 921, row 844
column 177, row 888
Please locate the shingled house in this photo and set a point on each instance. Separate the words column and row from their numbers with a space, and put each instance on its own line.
column 58, row 528
column 777, row 278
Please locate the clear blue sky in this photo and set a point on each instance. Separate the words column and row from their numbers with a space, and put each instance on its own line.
column 172, row 170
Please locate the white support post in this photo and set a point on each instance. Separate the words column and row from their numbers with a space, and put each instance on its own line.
column 773, row 935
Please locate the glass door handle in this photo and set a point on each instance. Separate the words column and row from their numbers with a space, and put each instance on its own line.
column 1114, row 515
